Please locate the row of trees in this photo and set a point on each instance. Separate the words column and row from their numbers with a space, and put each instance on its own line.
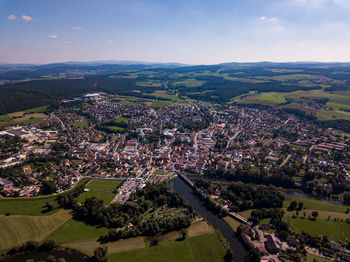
column 277, row 176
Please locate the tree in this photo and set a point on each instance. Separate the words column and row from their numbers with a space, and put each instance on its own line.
column 48, row 187
column 228, row 256
column 48, row 206
column 314, row 214
column 293, row 205
column 300, row 205
column 100, row 254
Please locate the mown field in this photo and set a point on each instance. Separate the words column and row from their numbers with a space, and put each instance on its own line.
column 317, row 205
column 201, row 248
column 324, row 224
column 101, row 189
column 76, row 230
column 31, row 116
column 15, row 230
column 78, row 235
column 27, row 206
column 334, row 230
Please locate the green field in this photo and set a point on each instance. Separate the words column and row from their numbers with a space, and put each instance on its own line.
column 317, row 205
column 40, row 109
column 120, row 119
column 338, row 100
column 115, row 128
column 312, row 258
column 32, row 206
column 76, row 230
column 189, row 83
column 83, row 124
column 15, row 230
column 334, row 230
column 271, row 97
column 101, row 189
column 293, row 77
column 159, row 104
column 201, row 248
column 163, row 94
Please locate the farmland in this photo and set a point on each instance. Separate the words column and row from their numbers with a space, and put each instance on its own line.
column 76, row 230
column 200, row 248
column 334, row 230
column 338, row 101
column 27, row 206
column 317, row 205
column 30, row 116
column 15, row 230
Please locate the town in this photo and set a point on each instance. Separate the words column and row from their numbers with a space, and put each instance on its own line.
column 97, row 136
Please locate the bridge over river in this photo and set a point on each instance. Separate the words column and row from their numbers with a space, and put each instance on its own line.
column 231, row 214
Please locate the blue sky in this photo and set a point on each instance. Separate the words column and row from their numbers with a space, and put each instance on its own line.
column 191, row 31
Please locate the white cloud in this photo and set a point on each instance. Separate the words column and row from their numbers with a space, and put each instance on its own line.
column 77, row 28
column 12, row 17
column 109, row 41
column 67, row 42
column 269, row 19
column 27, row 18
column 53, row 36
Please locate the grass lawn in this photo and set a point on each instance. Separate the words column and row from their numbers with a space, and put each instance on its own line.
column 15, row 230
column 115, row 128
column 200, row 248
column 334, row 230
column 312, row 258
column 120, row 119
column 76, row 230
column 233, row 223
column 32, row 206
column 88, row 246
column 27, row 206
column 159, row 104
column 5, row 118
column 317, row 204
column 323, row 215
column 84, row 123
column 246, row 213
column 159, row 172
column 101, row 189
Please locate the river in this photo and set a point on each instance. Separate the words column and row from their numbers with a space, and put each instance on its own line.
column 239, row 252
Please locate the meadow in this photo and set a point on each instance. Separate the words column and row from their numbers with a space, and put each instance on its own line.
column 338, row 101
column 317, row 205
column 101, row 189
column 76, row 230
column 15, row 230
column 201, row 248
column 335, row 230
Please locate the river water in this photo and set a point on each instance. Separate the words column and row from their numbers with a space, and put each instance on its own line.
column 239, row 252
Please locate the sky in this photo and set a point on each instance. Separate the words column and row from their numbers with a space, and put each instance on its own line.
column 184, row 31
